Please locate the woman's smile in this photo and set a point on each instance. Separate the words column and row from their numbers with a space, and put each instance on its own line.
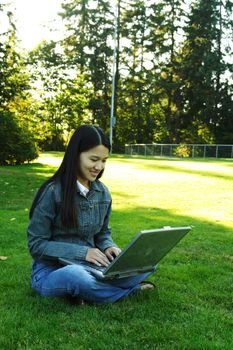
column 94, row 173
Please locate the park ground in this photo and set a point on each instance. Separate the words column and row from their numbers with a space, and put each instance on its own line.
column 192, row 306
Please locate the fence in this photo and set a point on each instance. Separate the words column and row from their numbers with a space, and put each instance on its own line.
column 180, row 150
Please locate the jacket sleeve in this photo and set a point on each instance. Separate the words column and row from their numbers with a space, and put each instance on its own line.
column 103, row 239
column 40, row 241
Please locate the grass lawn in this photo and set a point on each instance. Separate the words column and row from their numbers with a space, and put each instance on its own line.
column 192, row 307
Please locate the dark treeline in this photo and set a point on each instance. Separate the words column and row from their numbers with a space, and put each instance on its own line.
column 173, row 73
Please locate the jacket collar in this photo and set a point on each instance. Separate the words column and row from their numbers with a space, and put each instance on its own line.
column 96, row 186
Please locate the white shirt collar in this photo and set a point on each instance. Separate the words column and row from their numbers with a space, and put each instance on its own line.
column 84, row 190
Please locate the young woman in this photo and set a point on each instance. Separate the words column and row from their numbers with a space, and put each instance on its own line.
column 69, row 218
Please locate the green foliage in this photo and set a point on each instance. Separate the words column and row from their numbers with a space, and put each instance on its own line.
column 14, row 79
column 173, row 77
column 183, row 151
column 16, row 144
column 16, row 140
column 87, row 49
column 201, row 69
column 63, row 97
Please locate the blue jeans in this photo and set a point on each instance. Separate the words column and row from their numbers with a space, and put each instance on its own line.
column 80, row 281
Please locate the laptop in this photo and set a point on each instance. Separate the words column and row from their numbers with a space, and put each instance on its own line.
column 141, row 255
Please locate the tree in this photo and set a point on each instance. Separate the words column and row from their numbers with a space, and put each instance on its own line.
column 165, row 35
column 17, row 144
column 173, row 79
column 134, row 120
column 89, row 30
column 14, row 78
column 63, row 97
column 201, row 71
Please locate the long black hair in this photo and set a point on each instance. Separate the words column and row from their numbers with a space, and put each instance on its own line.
column 84, row 138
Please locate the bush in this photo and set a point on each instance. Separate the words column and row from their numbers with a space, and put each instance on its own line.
column 16, row 143
column 53, row 143
column 183, row 151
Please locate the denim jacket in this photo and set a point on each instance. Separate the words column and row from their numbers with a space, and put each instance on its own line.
column 48, row 240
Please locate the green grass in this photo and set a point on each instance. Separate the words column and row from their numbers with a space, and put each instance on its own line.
column 192, row 306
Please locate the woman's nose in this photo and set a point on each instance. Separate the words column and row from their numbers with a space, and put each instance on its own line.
column 99, row 165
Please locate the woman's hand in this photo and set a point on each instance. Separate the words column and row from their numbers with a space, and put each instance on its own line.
column 95, row 256
column 112, row 252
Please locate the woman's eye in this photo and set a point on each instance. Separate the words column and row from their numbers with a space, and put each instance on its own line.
column 96, row 160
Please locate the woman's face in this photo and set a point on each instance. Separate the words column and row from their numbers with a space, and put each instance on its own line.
column 92, row 162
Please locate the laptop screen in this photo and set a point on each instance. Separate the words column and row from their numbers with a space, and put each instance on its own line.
column 147, row 249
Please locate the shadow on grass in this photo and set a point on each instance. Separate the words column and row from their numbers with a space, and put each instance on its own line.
column 19, row 184
column 193, row 288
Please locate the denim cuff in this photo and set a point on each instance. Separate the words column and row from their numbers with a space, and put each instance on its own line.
column 81, row 253
column 103, row 247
